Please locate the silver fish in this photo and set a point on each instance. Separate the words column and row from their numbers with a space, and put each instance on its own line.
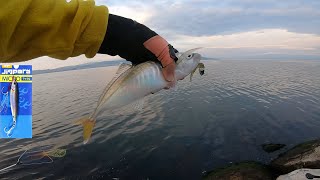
column 13, row 106
column 132, row 83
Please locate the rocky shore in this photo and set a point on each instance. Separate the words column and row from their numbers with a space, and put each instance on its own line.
column 297, row 159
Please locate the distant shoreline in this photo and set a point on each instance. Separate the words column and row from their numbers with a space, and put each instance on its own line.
column 81, row 66
column 117, row 62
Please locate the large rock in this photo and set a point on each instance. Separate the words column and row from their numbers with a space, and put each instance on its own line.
column 300, row 174
column 269, row 148
column 241, row 171
column 306, row 155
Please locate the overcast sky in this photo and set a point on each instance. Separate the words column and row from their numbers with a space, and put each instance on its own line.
column 229, row 29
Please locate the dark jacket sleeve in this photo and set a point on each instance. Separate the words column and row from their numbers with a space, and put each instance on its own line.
column 55, row 28
column 125, row 37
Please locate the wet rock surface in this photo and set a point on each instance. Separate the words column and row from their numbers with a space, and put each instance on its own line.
column 305, row 155
column 300, row 174
column 292, row 164
column 241, row 171
column 269, row 148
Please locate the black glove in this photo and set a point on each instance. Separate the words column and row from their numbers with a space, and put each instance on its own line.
column 126, row 37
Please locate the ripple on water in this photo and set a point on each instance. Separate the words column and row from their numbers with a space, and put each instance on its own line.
column 216, row 119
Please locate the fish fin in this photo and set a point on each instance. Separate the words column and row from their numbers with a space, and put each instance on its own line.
column 88, row 125
column 122, row 69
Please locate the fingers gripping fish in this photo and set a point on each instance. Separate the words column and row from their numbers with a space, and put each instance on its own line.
column 13, row 106
column 132, row 83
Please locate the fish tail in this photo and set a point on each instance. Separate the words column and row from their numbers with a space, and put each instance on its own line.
column 88, row 125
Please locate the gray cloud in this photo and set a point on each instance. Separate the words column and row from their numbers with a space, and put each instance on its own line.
column 216, row 17
column 211, row 17
column 207, row 18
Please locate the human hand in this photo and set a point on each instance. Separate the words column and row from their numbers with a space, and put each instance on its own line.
column 137, row 43
column 165, row 53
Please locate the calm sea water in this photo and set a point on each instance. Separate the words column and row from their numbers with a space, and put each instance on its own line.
column 219, row 118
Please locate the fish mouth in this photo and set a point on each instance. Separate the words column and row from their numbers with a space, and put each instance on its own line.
column 201, row 72
column 201, row 68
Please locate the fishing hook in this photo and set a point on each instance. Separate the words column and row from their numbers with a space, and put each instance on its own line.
column 9, row 132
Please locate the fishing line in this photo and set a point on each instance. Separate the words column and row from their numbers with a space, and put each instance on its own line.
column 37, row 157
column 17, row 163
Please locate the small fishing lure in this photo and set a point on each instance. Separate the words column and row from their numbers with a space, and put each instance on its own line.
column 13, row 106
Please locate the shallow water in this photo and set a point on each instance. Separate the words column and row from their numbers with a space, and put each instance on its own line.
column 219, row 118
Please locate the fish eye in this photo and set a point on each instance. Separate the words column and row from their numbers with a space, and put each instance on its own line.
column 190, row 56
